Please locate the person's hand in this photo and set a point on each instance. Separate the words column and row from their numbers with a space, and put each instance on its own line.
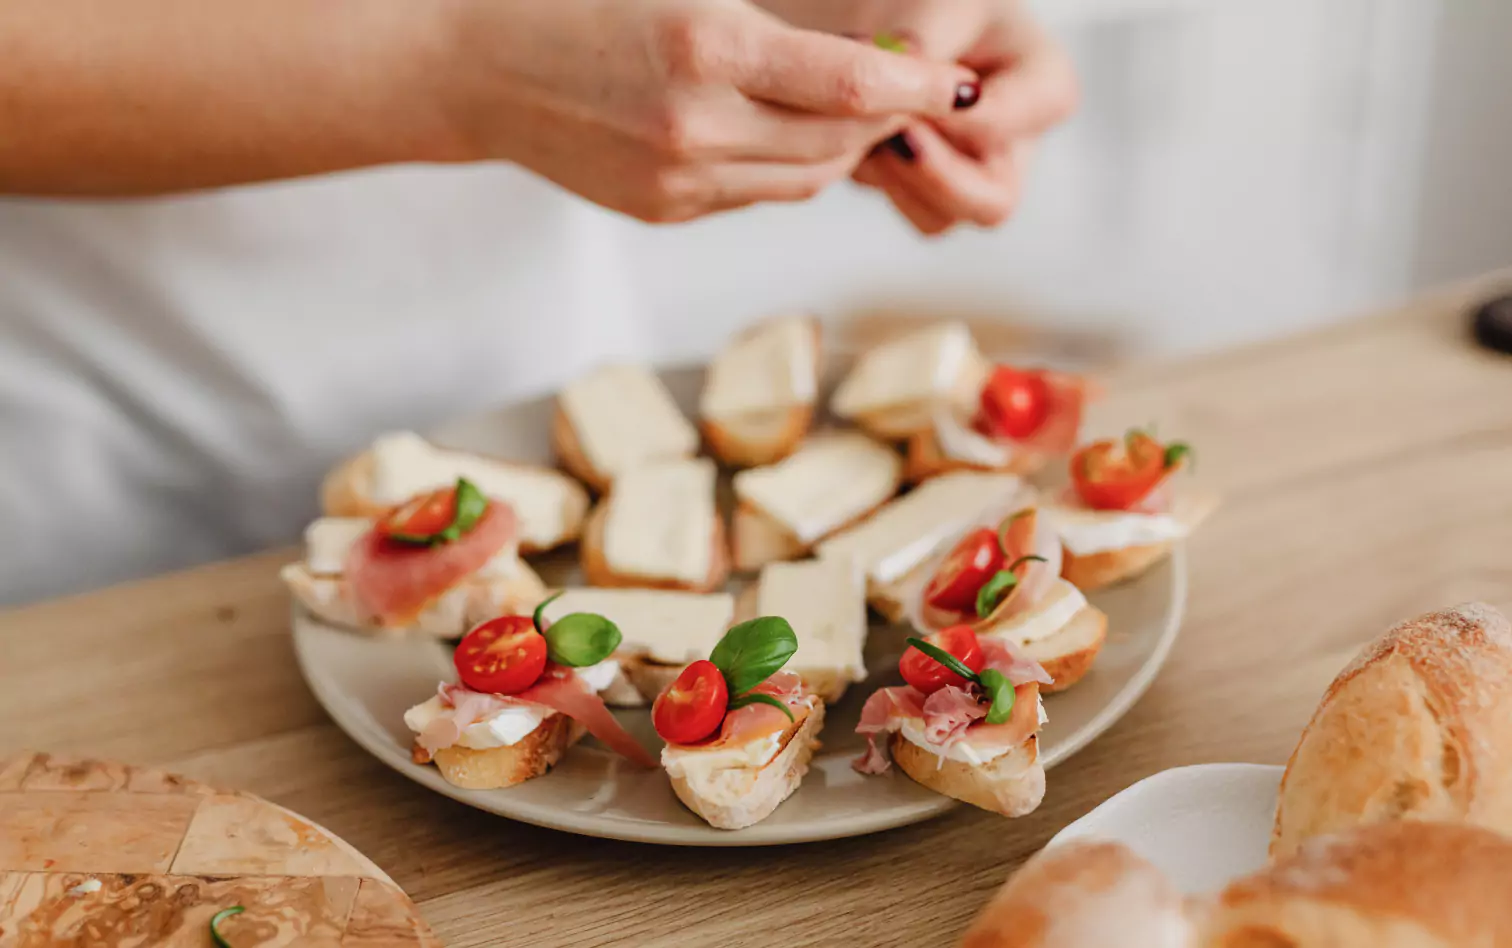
column 970, row 167
column 671, row 109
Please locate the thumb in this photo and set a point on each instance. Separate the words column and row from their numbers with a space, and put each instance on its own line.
column 832, row 75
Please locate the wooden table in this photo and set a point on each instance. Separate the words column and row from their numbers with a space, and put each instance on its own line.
column 1368, row 476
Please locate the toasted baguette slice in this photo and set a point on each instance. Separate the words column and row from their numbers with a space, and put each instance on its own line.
column 1013, row 784
column 835, row 480
column 1418, row 727
column 499, row 767
column 1093, row 570
column 617, row 418
column 1084, row 894
column 736, row 797
column 927, row 458
column 894, row 388
column 825, row 603
column 549, row 505
column 759, row 393
column 672, row 501
column 1068, row 654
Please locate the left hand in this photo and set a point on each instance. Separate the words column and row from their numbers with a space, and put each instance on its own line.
column 970, row 166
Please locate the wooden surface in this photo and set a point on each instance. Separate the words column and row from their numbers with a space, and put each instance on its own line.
column 115, row 856
column 1368, row 477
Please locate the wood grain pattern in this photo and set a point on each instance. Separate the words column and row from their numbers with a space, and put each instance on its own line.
column 105, row 855
column 1367, row 476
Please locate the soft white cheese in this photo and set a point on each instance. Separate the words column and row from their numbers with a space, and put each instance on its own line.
column 661, row 521
column 828, row 482
column 825, row 603
column 405, row 464
column 922, row 365
column 623, row 417
column 328, row 540
column 966, row 750
column 771, row 368
column 1084, row 531
column 510, row 725
column 1061, row 603
column 695, row 762
column 960, row 442
column 666, row 626
column 901, row 535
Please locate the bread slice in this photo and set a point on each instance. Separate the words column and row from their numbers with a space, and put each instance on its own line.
column 1084, row 894
column 894, row 388
column 1066, row 655
column 736, row 797
column 658, row 508
column 825, row 603
column 926, row 459
column 1418, row 727
column 759, row 393
column 1013, row 784
column 549, row 506
column 616, row 418
column 498, row 767
column 1091, row 571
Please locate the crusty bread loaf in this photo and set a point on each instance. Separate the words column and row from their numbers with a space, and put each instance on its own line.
column 499, row 767
column 597, row 571
column 734, row 798
column 1389, row 885
column 1013, row 784
column 925, row 459
column 1068, row 654
column 1419, row 726
column 1084, row 894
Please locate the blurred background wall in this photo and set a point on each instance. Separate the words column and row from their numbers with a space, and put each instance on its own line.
column 1239, row 169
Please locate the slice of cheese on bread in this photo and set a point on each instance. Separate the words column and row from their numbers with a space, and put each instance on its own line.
column 894, row 388
column 834, row 480
column 759, row 392
column 825, row 603
column 549, row 505
column 616, row 418
column 659, row 529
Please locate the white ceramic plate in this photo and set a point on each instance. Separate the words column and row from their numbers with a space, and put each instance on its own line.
column 1204, row 825
column 366, row 683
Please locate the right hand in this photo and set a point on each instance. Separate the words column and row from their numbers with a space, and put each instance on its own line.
column 668, row 110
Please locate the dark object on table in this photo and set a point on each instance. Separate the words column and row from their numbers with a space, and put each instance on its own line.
column 1492, row 324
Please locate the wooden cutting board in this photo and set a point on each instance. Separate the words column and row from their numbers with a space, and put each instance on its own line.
column 106, row 855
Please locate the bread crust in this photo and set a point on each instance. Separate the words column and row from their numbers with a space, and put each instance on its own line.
column 344, row 492
column 1418, row 727
column 739, row 798
column 1068, row 655
column 894, row 423
column 1084, row 894
column 570, row 453
column 1110, row 567
column 756, row 440
column 597, row 571
column 499, row 767
column 925, row 459
column 1013, row 784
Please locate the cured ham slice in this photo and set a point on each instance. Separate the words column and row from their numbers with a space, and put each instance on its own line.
column 393, row 582
column 757, row 721
column 948, row 716
column 1029, row 535
column 1017, row 667
column 1058, row 435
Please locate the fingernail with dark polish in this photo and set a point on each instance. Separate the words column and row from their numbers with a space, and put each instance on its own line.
column 902, row 146
column 968, row 94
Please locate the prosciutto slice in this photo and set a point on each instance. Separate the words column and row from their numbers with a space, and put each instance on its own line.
column 756, row 721
column 1058, row 435
column 1033, row 534
column 1017, row 667
column 393, row 582
column 948, row 716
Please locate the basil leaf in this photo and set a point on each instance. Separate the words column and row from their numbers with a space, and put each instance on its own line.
column 762, row 698
column 993, row 590
column 538, row 618
column 221, row 916
column 1177, row 452
column 891, row 43
column 753, row 651
column 581, row 639
column 468, row 509
column 944, row 658
column 1000, row 690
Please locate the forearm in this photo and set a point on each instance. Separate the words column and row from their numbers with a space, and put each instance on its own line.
column 125, row 97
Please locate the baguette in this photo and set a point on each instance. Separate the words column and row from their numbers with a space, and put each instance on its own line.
column 1068, row 655
column 1013, row 784
column 759, row 393
column 1084, row 894
column 1417, row 727
column 736, row 797
column 756, row 439
column 498, row 767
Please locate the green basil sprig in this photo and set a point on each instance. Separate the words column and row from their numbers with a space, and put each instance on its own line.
column 1176, row 452
column 993, row 683
column 749, row 654
column 221, row 916
column 990, row 596
column 471, row 504
column 578, row 639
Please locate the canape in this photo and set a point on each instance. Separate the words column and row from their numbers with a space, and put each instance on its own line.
column 658, row 529
column 895, row 388
column 617, row 418
column 759, row 393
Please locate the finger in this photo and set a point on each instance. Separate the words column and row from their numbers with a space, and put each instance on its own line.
column 775, row 133
column 831, row 75
column 892, row 180
column 733, row 184
column 956, row 185
column 866, row 172
column 1023, row 96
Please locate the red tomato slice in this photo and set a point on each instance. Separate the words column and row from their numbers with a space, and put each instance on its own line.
column 1015, row 403
column 423, row 516
column 693, row 706
column 503, row 656
column 1113, row 475
column 974, row 560
column 928, row 675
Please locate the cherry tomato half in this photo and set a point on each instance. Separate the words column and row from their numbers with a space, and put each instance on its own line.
column 1116, row 475
column 693, row 706
column 423, row 516
column 928, row 675
column 503, row 656
column 1015, row 402
column 974, row 560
